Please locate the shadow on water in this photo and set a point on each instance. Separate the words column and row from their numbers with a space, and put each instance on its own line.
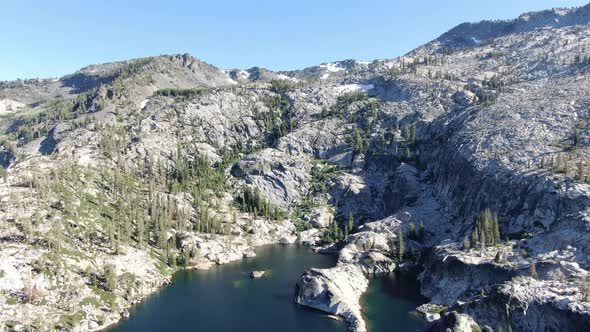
column 391, row 300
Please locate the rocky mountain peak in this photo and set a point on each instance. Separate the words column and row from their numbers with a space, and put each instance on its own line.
column 471, row 165
column 474, row 34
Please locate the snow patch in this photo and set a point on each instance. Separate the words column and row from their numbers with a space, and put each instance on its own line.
column 143, row 104
column 10, row 106
column 475, row 40
column 326, row 75
column 287, row 78
column 245, row 75
column 363, row 63
column 353, row 88
column 332, row 67
column 562, row 12
column 229, row 79
column 389, row 64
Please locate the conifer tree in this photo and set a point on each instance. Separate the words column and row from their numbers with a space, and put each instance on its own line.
column 496, row 229
column 401, row 246
column 421, row 231
column 412, row 231
column 110, row 278
column 486, row 231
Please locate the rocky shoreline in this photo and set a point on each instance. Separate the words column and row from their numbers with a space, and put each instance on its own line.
column 473, row 149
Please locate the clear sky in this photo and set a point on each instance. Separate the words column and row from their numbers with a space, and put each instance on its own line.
column 51, row 38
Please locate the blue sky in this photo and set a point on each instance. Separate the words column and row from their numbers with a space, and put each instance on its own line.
column 52, row 38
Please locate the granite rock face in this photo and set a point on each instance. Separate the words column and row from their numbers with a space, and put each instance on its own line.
column 454, row 322
column 336, row 290
column 490, row 115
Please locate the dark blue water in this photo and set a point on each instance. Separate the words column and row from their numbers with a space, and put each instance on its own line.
column 390, row 302
column 225, row 298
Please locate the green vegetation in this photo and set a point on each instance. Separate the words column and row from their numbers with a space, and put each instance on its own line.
column 358, row 142
column 182, row 94
column 343, row 103
column 279, row 120
column 33, row 125
column 132, row 68
column 11, row 301
column 321, row 175
column 486, row 231
column 69, row 321
column 333, row 234
column 416, row 235
column 90, row 301
column 410, row 134
column 108, row 298
column 251, row 201
column 283, row 86
column 350, row 223
column 109, row 277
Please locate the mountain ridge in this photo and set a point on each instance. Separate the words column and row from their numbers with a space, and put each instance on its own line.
column 469, row 164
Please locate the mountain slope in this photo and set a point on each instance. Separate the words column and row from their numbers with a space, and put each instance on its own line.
column 119, row 174
column 473, row 34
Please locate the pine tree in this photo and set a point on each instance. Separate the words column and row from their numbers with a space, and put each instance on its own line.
column 350, row 222
column 422, row 231
column 411, row 134
column 412, row 231
column 401, row 246
column 358, row 142
column 474, row 238
column 110, row 277
column 140, row 230
column 486, row 231
column 497, row 236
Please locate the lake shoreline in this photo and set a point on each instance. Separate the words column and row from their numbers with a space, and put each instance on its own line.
column 242, row 279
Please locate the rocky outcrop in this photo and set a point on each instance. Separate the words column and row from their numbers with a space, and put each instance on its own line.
column 497, row 291
column 451, row 274
column 336, row 290
column 527, row 304
column 489, row 115
column 453, row 322
column 280, row 177
column 369, row 251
